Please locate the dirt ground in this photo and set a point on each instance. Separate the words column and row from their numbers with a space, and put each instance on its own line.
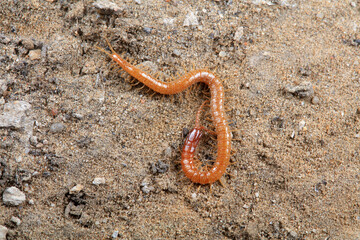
column 292, row 70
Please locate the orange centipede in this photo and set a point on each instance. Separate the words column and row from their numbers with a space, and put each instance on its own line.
column 217, row 108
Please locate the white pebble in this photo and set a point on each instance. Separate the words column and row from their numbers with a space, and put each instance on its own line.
column 3, row 232
column 98, row 181
column 13, row 196
column 222, row 54
column 190, row 20
column 76, row 189
column 239, row 34
column 302, row 124
column 15, row 220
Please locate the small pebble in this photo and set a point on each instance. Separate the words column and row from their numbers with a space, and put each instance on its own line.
column 145, row 188
column 177, row 53
column 245, row 206
column 353, row 4
column 239, row 34
column 138, row 2
column 190, row 20
column 15, row 220
column 28, row 43
column 4, row 39
column 222, row 54
column 106, row 7
column 33, row 140
column 293, row 234
column 31, row 202
column 115, row 234
column 78, row 116
column 147, row 29
column 76, row 189
column 303, row 90
column 35, row 54
column 292, row 135
column 57, row 127
column 3, row 232
column 193, row 196
column 315, row 100
column 302, row 124
column 13, row 196
column 99, row 180
column 159, row 167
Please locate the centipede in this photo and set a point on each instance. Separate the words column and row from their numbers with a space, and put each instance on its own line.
column 217, row 109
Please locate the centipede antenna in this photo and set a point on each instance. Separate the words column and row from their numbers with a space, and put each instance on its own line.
column 109, row 45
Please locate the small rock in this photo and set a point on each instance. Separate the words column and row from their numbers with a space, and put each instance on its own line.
column 3, row 232
column 303, row 90
column 138, row 2
column 78, row 116
column 292, row 136
column 315, row 100
column 15, row 220
column 28, row 43
column 193, row 196
column 358, row 110
column 106, row 7
column 145, row 188
column 4, row 39
column 15, row 114
column 293, row 234
column 115, row 234
column 177, row 53
column 159, row 167
column 239, row 34
column 99, row 180
column 31, row 202
column 245, row 206
column 222, row 54
column 147, row 29
column 57, row 127
column 190, row 20
column 33, row 140
column 76, row 189
column 353, row 4
column 35, row 54
column 13, row 196
column 302, row 124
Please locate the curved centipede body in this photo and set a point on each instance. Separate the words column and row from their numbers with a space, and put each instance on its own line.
column 217, row 111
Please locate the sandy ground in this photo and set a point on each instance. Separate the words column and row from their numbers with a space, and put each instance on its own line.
column 293, row 77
